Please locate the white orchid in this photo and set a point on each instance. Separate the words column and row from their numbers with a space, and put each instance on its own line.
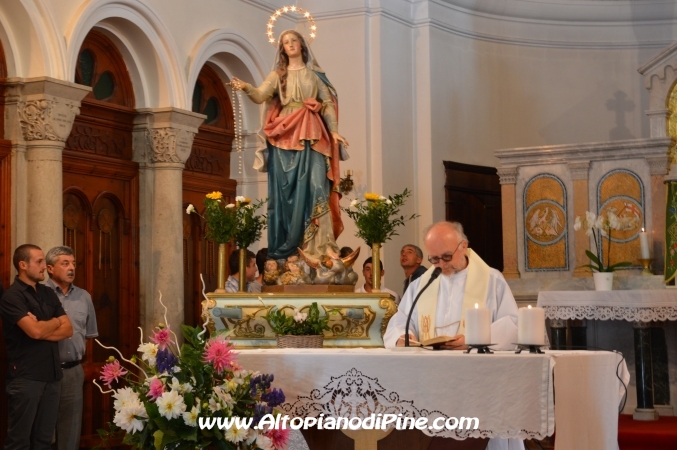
column 600, row 227
column 190, row 209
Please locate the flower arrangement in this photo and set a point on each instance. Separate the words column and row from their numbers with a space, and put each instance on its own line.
column 171, row 388
column 300, row 324
column 231, row 221
column 600, row 227
column 377, row 217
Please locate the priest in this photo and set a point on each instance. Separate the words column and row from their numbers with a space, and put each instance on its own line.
column 464, row 281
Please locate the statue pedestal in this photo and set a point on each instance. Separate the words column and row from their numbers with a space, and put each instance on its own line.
column 360, row 322
column 308, row 289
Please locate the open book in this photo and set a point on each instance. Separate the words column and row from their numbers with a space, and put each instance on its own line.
column 437, row 341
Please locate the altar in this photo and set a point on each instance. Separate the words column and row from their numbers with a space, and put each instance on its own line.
column 513, row 396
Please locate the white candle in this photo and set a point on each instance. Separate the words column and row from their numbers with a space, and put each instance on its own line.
column 477, row 326
column 644, row 244
column 531, row 326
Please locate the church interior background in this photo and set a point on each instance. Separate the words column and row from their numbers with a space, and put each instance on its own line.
column 505, row 115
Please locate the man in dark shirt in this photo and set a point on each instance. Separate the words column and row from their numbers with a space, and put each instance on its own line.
column 411, row 257
column 33, row 320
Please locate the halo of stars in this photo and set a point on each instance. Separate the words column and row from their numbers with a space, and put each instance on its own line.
column 288, row 9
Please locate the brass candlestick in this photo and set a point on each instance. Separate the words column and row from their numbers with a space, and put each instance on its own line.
column 646, row 264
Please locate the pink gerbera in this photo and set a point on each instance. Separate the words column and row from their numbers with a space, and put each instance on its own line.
column 112, row 371
column 156, row 389
column 219, row 352
column 279, row 437
column 161, row 338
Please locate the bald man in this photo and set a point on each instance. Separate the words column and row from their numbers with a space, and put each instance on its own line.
column 464, row 281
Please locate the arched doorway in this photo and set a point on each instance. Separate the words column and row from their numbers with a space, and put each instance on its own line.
column 207, row 169
column 101, row 219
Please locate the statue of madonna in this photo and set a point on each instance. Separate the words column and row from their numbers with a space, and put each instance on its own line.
column 302, row 153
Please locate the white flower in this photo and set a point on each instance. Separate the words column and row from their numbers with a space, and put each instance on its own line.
column 354, row 203
column 389, row 202
column 124, row 398
column 239, row 198
column 230, row 205
column 300, row 316
column 577, row 223
column 223, row 396
column 148, row 352
column 180, row 388
column 264, row 442
column 589, row 219
column 380, row 197
column 249, row 206
column 126, row 417
column 190, row 417
column 235, row 434
column 190, row 209
column 213, row 405
column 171, row 405
column 614, row 223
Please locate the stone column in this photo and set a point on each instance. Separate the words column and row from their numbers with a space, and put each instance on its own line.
column 46, row 109
column 508, row 177
column 162, row 143
column 579, row 175
column 658, row 168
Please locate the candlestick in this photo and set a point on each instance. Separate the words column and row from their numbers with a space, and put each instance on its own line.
column 531, row 326
column 646, row 264
column 644, row 244
column 477, row 326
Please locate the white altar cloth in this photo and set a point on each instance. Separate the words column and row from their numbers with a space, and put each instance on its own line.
column 640, row 306
column 512, row 395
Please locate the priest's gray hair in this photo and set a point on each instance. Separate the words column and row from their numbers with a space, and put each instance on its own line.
column 455, row 226
column 53, row 255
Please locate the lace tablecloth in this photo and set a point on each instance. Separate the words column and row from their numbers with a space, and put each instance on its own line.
column 640, row 306
column 512, row 395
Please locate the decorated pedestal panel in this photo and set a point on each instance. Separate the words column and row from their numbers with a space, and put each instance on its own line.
column 545, row 227
column 360, row 320
column 621, row 191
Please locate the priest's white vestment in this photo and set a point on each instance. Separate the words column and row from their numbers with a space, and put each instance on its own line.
column 499, row 300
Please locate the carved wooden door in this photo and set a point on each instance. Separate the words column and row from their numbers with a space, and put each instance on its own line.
column 473, row 198
column 101, row 217
column 207, row 169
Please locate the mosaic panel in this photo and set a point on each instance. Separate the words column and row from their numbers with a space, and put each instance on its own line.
column 545, row 229
column 622, row 192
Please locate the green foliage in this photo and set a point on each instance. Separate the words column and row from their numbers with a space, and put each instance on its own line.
column 221, row 221
column 301, row 323
column 377, row 218
column 249, row 225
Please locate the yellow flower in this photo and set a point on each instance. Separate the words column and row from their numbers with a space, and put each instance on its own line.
column 216, row 195
column 371, row 196
column 247, row 200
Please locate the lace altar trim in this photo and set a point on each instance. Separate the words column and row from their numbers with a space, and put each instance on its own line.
column 631, row 314
column 357, row 395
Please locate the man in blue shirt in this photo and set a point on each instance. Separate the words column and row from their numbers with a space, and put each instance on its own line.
column 80, row 310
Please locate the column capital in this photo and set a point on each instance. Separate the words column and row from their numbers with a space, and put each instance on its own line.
column 579, row 170
column 46, row 108
column 167, row 134
column 507, row 175
column 658, row 165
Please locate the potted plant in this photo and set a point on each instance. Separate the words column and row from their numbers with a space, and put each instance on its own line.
column 600, row 228
column 377, row 219
column 164, row 394
column 300, row 329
